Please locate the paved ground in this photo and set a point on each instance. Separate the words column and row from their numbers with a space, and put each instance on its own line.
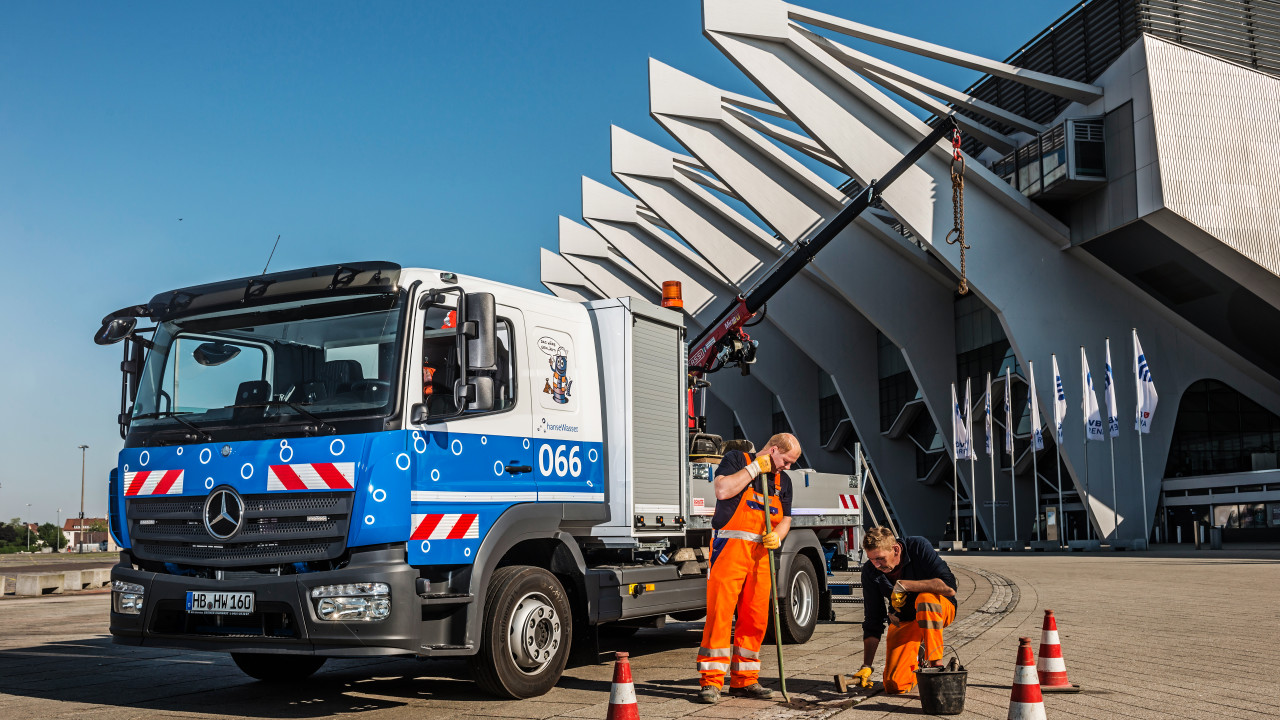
column 1148, row 635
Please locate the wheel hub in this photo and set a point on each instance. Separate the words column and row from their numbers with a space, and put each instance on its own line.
column 534, row 634
column 802, row 599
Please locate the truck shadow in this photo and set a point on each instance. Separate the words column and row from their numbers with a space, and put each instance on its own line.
column 95, row 671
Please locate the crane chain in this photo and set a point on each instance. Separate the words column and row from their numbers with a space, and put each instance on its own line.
column 956, row 234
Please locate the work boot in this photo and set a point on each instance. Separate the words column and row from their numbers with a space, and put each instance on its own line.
column 709, row 695
column 755, row 691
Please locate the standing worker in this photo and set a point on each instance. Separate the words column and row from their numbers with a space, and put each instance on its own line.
column 739, row 575
column 921, row 594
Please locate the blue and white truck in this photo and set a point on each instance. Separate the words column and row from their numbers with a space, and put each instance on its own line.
column 367, row 460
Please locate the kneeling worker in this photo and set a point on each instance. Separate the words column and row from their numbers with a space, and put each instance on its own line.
column 739, row 574
column 921, row 594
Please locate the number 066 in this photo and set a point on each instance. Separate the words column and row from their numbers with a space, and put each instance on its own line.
column 558, row 462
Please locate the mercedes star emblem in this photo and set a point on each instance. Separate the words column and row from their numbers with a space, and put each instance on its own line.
column 223, row 511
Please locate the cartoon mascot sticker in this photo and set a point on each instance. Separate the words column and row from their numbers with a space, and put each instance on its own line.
column 558, row 386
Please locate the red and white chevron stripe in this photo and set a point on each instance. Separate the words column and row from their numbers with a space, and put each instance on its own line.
column 153, row 482
column 849, row 502
column 449, row 526
column 312, row 476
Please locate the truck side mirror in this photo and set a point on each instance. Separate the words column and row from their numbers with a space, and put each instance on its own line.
column 476, row 393
column 115, row 330
column 481, row 331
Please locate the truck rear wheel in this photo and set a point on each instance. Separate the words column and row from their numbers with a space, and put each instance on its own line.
column 277, row 668
column 800, row 610
column 524, row 644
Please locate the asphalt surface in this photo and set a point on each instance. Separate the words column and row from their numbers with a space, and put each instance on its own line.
column 1147, row 635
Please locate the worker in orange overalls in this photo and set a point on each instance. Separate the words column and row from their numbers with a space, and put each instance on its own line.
column 921, row 593
column 739, row 576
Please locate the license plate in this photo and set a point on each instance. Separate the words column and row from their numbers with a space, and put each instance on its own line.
column 208, row 602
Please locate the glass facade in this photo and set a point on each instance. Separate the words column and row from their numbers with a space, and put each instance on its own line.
column 1219, row 430
column 830, row 407
column 897, row 386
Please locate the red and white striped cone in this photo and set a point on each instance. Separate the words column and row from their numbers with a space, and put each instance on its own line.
column 1026, row 702
column 1050, row 667
column 622, row 696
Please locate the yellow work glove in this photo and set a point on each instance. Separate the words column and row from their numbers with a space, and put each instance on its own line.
column 765, row 463
column 899, row 596
column 863, row 677
column 771, row 541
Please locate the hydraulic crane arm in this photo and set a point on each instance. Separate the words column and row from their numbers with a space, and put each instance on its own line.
column 726, row 331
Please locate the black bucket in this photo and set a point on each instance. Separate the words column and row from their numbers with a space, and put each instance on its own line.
column 942, row 689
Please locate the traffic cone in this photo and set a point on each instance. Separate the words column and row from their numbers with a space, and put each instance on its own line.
column 622, row 697
column 1026, row 702
column 1050, row 667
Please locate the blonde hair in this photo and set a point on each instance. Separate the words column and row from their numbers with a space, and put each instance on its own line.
column 786, row 442
column 878, row 538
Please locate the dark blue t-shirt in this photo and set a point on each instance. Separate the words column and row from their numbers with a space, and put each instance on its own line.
column 732, row 463
column 919, row 562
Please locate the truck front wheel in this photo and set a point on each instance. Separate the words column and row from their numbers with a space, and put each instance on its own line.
column 528, row 628
column 800, row 610
column 277, row 668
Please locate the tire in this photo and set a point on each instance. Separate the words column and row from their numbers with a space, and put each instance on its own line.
column 800, row 609
column 277, row 668
column 528, row 605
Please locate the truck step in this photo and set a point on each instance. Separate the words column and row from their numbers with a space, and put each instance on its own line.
column 447, row 598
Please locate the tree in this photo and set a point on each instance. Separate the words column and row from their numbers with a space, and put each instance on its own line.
column 8, row 534
column 51, row 535
column 97, row 526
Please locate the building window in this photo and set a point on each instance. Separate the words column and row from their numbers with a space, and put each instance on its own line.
column 897, row 386
column 1218, row 430
column 830, row 407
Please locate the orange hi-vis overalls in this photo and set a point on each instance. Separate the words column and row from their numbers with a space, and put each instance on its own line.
column 739, row 578
column 933, row 613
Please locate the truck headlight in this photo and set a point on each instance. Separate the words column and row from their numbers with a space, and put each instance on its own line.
column 127, row 597
column 352, row 601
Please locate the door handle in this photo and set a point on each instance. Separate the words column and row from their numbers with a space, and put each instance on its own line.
column 517, row 469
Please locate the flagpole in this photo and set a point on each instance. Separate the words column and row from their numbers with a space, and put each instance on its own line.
column 1142, row 469
column 1013, row 485
column 1088, row 527
column 991, row 458
column 1111, row 444
column 1035, row 468
column 1086, row 388
column 955, row 460
column 973, row 458
column 1115, row 500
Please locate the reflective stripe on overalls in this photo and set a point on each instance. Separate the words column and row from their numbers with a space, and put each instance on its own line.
column 738, row 580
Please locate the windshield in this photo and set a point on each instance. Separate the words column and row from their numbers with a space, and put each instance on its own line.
column 304, row 361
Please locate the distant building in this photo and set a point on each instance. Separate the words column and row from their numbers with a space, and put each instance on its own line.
column 77, row 533
column 1122, row 173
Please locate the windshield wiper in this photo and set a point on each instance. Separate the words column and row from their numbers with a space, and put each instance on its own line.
column 296, row 407
column 201, row 434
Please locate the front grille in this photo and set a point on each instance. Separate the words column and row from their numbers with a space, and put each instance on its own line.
column 272, row 620
column 274, row 530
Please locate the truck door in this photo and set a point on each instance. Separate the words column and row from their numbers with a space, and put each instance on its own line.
column 473, row 466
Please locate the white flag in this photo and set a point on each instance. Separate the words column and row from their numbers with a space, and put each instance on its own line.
column 990, row 452
column 957, row 428
column 1037, row 432
column 1146, row 388
column 1113, row 416
column 1059, row 400
column 1008, row 414
column 1092, row 418
column 968, row 420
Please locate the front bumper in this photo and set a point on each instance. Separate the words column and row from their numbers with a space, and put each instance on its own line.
column 284, row 620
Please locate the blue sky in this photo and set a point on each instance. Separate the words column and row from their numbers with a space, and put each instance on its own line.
column 445, row 135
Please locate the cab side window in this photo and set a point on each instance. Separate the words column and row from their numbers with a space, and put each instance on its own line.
column 441, row 369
